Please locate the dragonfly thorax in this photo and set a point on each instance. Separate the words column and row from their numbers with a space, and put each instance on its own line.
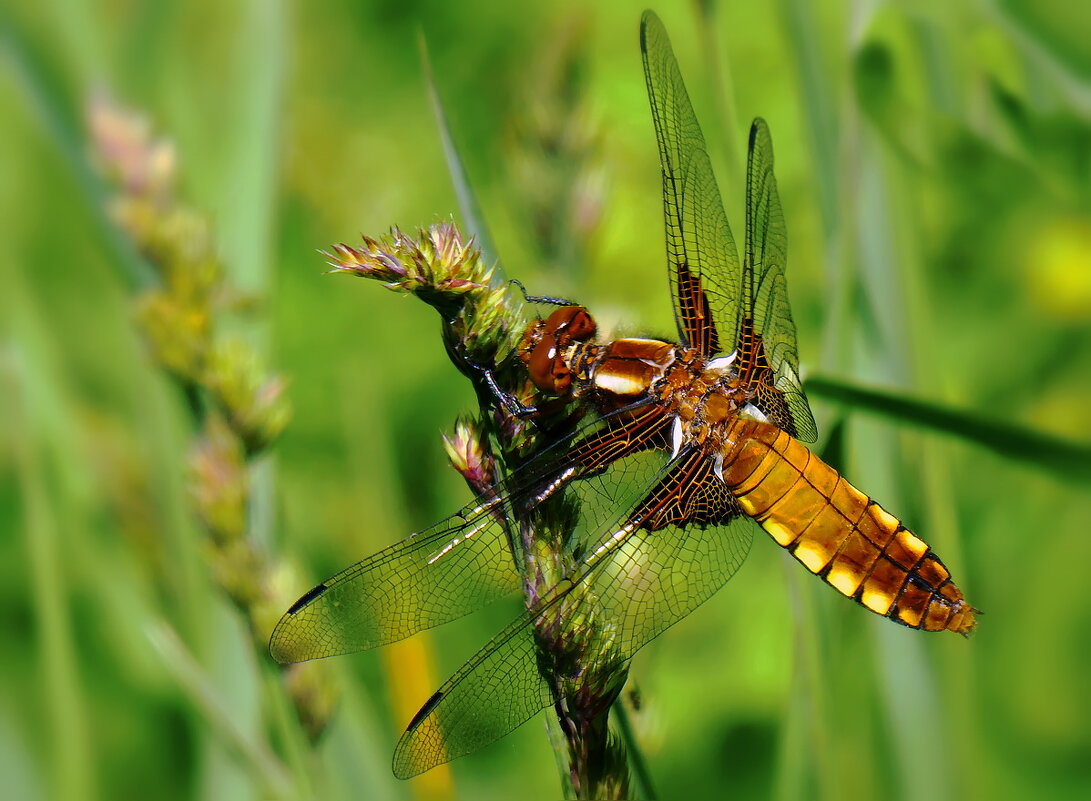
column 705, row 401
column 562, row 360
column 703, row 395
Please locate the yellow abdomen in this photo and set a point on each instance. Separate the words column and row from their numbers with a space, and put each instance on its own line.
column 840, row 534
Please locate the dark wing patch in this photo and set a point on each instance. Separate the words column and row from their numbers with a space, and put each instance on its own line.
column 703, row 263
column 306, row 598
column 766, row 326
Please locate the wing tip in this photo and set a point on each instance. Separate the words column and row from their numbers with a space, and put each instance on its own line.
column 648, row 20
column 285, row 645
column 410, row 759
column 808, row 431
column 282, row 647
column 759, row 129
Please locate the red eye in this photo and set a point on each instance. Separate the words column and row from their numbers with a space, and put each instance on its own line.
column 579, row 325
column 562, row 380
column 557, row 320
column 540, row 362
column 570, row 323
column 546, row 343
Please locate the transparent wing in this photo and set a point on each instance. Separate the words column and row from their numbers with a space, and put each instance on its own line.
column 461, row 563
column 767, row 334
column 680, row 542
column 717, row 299
column 703, row 263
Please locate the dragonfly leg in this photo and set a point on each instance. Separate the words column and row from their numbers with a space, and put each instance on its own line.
column 541, row 298
column 514, row 406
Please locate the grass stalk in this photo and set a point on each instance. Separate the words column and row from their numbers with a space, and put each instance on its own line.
column 469, row 207
column 820, row 112
column 1065, row 459
column 810, row 756
column 237, row 406
column 202, row 691
column 907, row 683
column 642, row 775
column 63, row 698
column 718, row 73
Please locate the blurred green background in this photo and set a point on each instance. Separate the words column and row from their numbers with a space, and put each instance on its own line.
column 934, row 161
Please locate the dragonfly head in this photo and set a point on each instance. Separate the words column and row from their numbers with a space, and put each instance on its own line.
column 548, row 343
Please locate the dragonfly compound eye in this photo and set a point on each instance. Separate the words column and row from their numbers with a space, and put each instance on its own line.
column 546, row 365
column 546, row 347
column 573, row 323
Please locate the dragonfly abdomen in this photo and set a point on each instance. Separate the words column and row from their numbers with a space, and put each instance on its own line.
column 840, row 534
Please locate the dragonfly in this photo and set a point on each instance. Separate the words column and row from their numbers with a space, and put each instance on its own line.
column 692, row 447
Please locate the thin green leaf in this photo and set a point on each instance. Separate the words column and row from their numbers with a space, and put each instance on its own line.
column 718, row 74
column 1068, row 459
column 887, row 264
column 1058, row 33
column 811, row 763
column 803, row 33
column 472, row 218
column 202, row 692
column 64, row 707
column 38, row 79
column 637, row 763
column 247, row 224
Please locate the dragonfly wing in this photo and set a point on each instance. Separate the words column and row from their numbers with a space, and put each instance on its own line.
column 767, row 334
column 458, row 565
column 432, row 576
column 681, row 542
column 704, row 267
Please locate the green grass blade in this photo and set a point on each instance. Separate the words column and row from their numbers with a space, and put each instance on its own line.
column 637, row 763
column 803, row 34
column 250, row 180
column 1048, row 49
column 1067, row 459
column 472, row 218
column 904, row 684
column 58, row 111
column 64, row 712
column 727, row 126
column 202, row 692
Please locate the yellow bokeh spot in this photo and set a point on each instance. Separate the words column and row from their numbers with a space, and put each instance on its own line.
column 1058, row 269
